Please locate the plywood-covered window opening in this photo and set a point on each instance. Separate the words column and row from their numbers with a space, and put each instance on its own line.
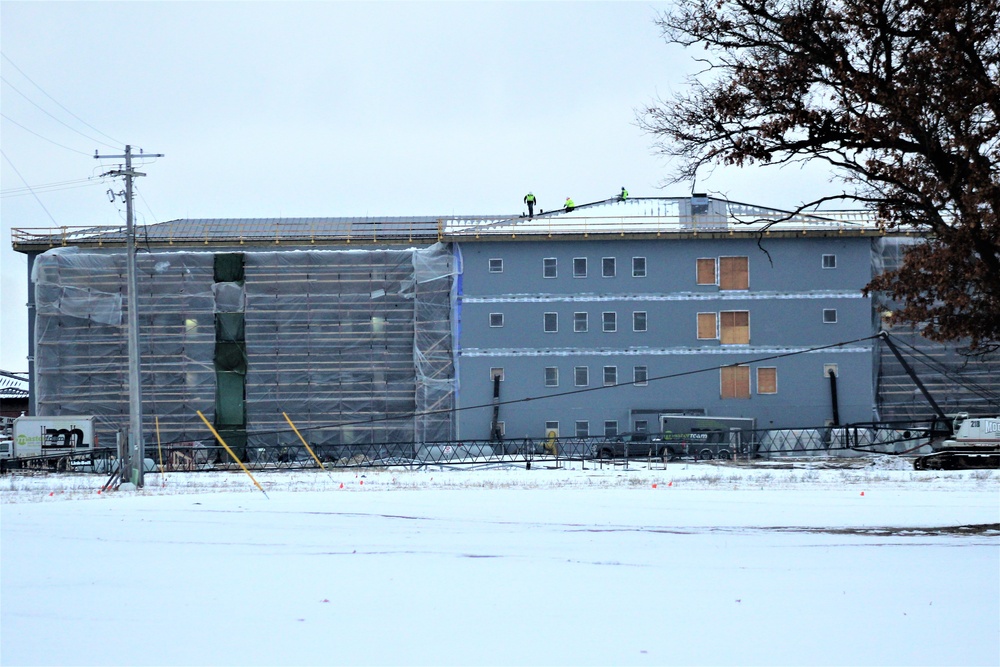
column 735, row 381
column 767, row 380
column 708, row 326
column 706, row 274
column 734, row 327
column 734, row 273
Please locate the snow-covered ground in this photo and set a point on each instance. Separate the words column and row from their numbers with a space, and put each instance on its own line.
column 871, row 564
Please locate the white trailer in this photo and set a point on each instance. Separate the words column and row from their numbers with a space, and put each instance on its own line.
column 45, row 436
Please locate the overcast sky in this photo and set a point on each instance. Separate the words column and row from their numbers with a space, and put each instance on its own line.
column 333, row 109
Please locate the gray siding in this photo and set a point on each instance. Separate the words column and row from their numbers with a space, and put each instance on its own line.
column 788, row 292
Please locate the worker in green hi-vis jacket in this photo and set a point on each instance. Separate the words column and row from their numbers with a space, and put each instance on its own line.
column 530, row 200
column 569, row 204
column 624, row 195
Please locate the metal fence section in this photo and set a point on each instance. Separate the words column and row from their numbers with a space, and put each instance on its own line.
column 194, row 456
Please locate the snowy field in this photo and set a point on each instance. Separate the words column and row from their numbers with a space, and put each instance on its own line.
column 698, row 564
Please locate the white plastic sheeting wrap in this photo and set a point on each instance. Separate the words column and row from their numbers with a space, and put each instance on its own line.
column 355, row 345
column 81, row 351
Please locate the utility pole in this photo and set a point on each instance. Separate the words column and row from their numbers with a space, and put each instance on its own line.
column 136, row 448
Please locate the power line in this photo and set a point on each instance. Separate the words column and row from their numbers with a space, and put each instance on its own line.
column 66, row 125
column 29, row 187
column 7, row 58
column 49, row 187
column 11, row 120
column 527, row 399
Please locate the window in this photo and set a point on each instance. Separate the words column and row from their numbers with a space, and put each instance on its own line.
column 609, row 322
column 610, row 428
column 579, row 322
column 767, row 380
column 706, row 271
column 734, row 273
column 582, row 429
column 734, row 327
column 579, row 267
column 551, row 322
column 610, row 376
column 640, row 376
column 708, row 326
column 829, row 261
column 829, row 316
column 496, row 265
column 641, row 426
column 496, row 319
column 551, row 376
column 581, row 376
column 638, row 267
column 639, row 320
column 735, row 381
column 550, row 267
column 551, row 429
column 608, row 267
column 496, row 373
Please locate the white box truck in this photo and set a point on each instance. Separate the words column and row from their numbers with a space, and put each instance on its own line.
column 44, row 436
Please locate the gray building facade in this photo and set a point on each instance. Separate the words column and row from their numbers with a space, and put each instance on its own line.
column 610, row 332
column 597, row 321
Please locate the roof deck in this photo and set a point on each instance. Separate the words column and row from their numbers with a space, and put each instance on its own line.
column 641, row 217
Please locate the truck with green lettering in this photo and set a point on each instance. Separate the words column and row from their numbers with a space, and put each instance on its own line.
column 51, row 436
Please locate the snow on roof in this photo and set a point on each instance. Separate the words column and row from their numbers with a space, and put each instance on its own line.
column 660, row 215
column 638, row 215
column 13, row 385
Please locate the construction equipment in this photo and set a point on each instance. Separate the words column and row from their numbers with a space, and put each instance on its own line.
column 974, row 444
column 965, row 443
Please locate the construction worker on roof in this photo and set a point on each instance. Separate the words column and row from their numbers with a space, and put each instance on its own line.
column 624, row 195
column 569, row 204
column 530, row 200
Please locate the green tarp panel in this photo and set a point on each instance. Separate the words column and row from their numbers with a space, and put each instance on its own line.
column 230, row 404
column 230, row 327
column 231, row 357
column 229, row 267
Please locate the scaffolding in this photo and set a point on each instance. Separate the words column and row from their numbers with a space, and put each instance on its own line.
column 354, row 345
column 958, row 383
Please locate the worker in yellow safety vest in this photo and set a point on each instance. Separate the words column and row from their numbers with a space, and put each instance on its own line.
column 624, row 195
column 569, row 204
column 530, row 200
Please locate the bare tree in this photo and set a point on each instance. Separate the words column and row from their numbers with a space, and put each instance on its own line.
column 901, row 97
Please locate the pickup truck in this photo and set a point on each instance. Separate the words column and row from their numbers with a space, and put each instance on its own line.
column 628, row 445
